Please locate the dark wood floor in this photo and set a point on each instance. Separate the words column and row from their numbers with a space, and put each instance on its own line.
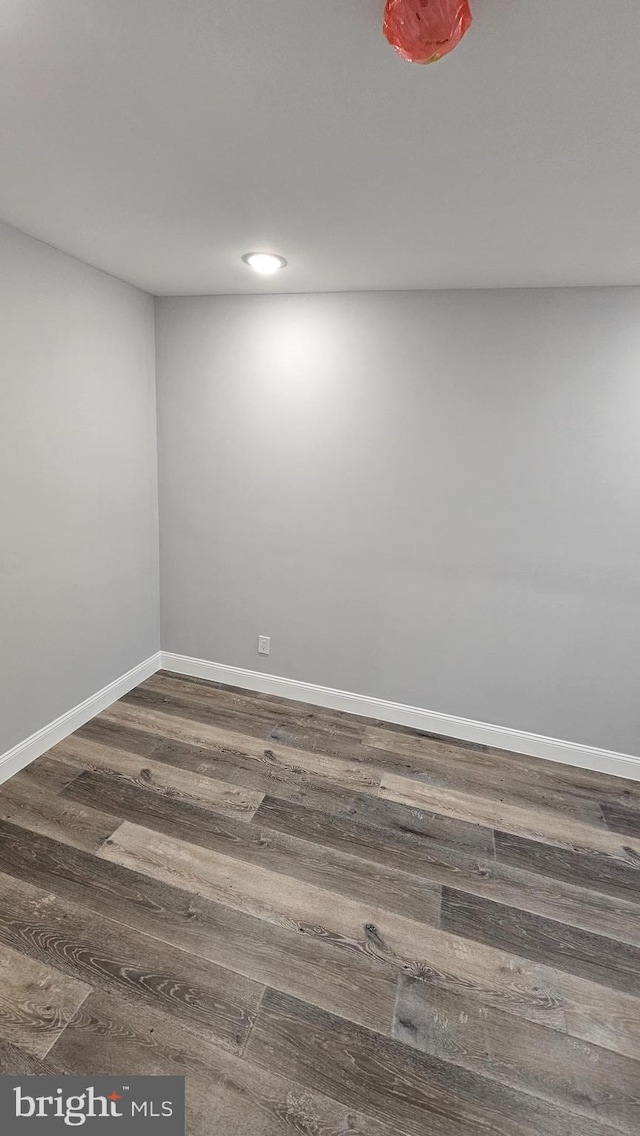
column 332, row 926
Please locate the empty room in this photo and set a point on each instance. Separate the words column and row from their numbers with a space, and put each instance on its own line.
column 320, row 567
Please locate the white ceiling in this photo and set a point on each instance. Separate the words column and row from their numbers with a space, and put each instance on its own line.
column 161, row 139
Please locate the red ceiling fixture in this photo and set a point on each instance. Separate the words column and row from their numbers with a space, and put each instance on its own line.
column 422, row 31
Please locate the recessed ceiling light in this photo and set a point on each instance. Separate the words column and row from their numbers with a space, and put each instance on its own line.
column 266, row 263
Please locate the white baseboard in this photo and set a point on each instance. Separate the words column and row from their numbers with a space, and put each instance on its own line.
column 519, row 741
column 501, row 737
column 27, row 751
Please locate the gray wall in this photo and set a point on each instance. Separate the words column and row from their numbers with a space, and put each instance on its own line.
column 427, row 497
column 78, row 488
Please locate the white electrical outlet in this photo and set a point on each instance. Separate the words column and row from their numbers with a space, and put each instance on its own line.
column 264, row 644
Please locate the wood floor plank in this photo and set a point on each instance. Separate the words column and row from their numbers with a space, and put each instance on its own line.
column 616, row 875
column 200, row 710
column 415, row 1092
column 391, row 735
column 310, row 792
column 265, row 775
column 128, row 738
column 349, row 775
column 536, row 824
column 226, row 1095
column 268, row 776
column 479, row 774
column 349, row 984
column 446, row 865
column 354, row 925
column 294, row 724
column 208, row 999
column 502, row 767
column 621, row 819
column 36, row 1001
column 40, row 810
column 614, row 1026
column 17, row 1062
column 597, row 957
column 48, row 772
column 347, row 875
column 572, row 1074
column 486, row 975
column 302, row 735
column 384, row 831
column 169, row 781
column 251, row 701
